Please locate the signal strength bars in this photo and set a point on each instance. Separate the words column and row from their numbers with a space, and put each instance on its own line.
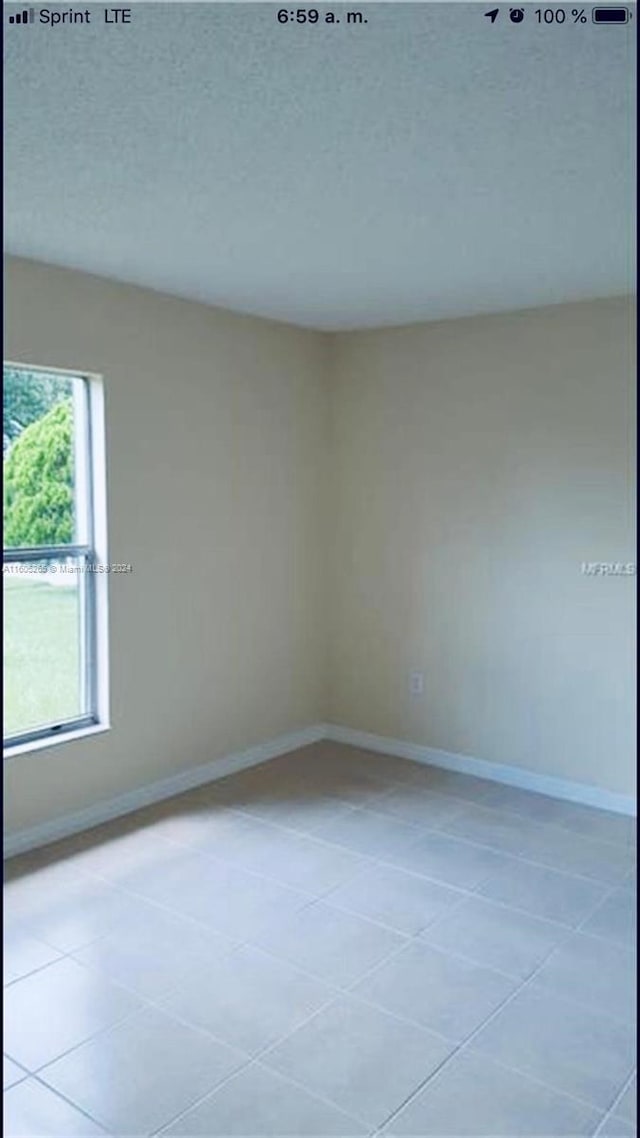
column 26, row 17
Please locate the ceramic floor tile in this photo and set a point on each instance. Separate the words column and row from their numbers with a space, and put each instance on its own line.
column 493, row 828
column 565, row 1045
column 33, row 1111
column 75, row 915
column 296, row 804
column 181, row 819
column 616, row 918
column 543, row 892
column 154, row 879
column 23, row 953
column 41, row 868
column 314, row 815
column 338, row 758
column 356, row 787
column 249, row 1000
column 229, row 900
column 140, row 1075
column 615, row 1127
column 154, row 951
column 388, row 768
column 401, row 900
column 335, row 946
column 260, row 1103
column 343, row 1054
column 59, row 1007
column 586, row 820
column 442, row 992
column 115, row 850
column 594, row 972
column 627, row 1106
column 501, row 796
column 27, row 894
column 208, row 905
column 498, row 937
column 420, row 807
column 573, row 853
column 231, row 836
column 601, row 824
column 298, row 860
column 302, row 759
column 11, row 1073
column 372, row 834
column 69, row 852
column 271, row 782
column 449, row 860
column 472, row 1096
column 464, row 786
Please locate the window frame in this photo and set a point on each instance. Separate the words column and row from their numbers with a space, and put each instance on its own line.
column 91, row 552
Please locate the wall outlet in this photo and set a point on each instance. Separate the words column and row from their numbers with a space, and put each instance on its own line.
column 416, row 683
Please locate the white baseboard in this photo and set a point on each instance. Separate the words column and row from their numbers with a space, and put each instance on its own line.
column 42, row 835
column 496, row 772
column 36, row 836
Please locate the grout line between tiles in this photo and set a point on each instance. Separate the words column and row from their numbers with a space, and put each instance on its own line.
column 157, row 1003
column 38, row 1071
column 394, row 785
column 480, row 800
column 38, row 968
column 370, row 862
column 341, row 991
column 367, row 862
column 466, row 1042
column 112, row 1027
column 611, row 1112
column 75, row 1105
column 312, row 901
column 438, row 830
column 324, row 898
column 259, row 1056
column 255, row 1062
column 420, row 831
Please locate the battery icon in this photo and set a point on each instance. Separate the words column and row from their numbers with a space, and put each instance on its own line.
column 610, row 15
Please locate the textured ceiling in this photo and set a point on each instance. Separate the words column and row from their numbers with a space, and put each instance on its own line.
column 425, row 165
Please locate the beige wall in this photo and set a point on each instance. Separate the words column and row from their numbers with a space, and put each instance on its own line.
column 477, row 464
column 310, row 518
column 216, row 444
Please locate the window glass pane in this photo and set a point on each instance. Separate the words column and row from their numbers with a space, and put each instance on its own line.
column 44, row 643
column 43, row 450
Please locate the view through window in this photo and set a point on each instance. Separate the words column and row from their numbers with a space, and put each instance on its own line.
column 49, row 555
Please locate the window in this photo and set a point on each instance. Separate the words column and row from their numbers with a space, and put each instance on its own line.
column 54, row 581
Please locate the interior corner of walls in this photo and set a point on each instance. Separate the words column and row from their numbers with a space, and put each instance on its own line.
column 406, row 448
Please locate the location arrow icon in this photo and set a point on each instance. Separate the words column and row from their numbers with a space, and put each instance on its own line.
column 492, row 14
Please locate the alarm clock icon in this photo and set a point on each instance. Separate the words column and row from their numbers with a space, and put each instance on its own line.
column 516, row 15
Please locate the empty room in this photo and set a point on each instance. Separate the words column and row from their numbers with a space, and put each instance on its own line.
column 319, row 571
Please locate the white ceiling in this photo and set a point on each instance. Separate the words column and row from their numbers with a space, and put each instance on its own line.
column 425, row 165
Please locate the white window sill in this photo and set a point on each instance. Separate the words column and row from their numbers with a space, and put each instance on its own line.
column 11, row 752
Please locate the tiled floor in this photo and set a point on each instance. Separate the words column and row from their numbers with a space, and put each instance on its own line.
column 336, row 943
